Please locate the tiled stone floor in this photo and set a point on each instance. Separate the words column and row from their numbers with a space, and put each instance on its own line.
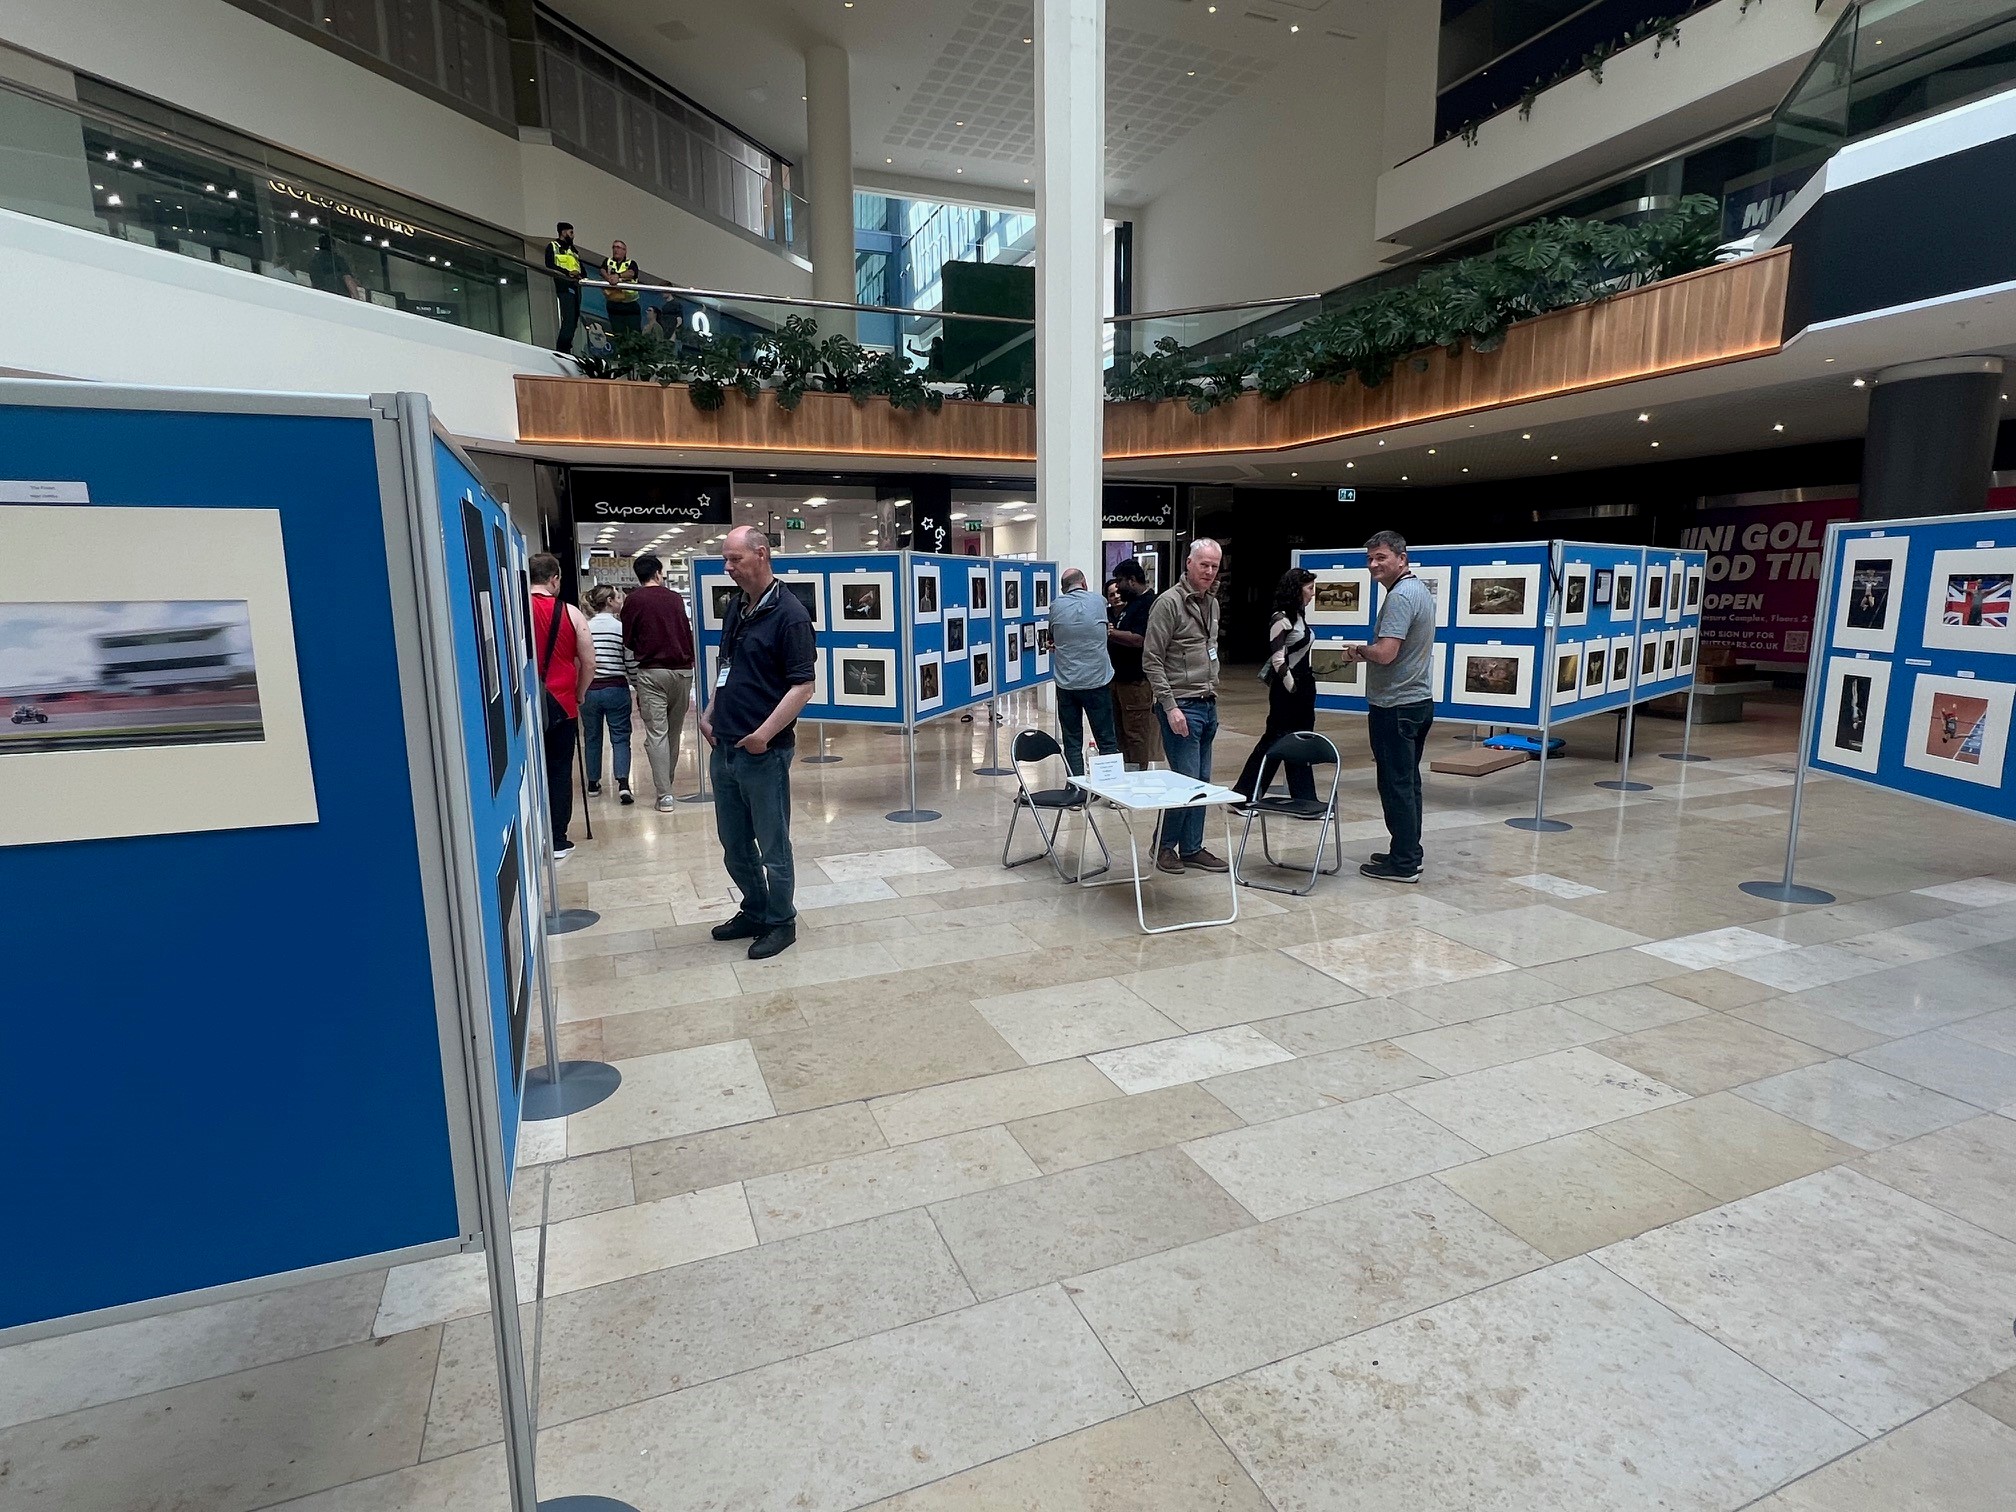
column 1573, row 1179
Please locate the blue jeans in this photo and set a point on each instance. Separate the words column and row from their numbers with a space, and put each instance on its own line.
column 1074, row 707
column 1191, row 755
column 609, row 706
column 1399, row 736
column 752, row 815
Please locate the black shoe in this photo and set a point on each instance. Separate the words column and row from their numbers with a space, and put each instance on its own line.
column 562, row 849
column 774, row 942
column 624, row 795
column 594, row 790
column 741, row 927
column 1382, row 869
column 1380, row 858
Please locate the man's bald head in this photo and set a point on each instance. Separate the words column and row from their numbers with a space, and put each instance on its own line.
column 747, row 538
column 746, row 555
column 1073, row 579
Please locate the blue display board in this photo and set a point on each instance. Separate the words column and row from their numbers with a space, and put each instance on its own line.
column 272, row 1008
column 1915, row 659
column 1022, row 594
column 953, row 657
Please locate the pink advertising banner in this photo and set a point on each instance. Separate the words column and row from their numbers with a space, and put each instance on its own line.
column 1764, row 575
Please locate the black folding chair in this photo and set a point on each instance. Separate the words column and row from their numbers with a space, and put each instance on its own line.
column 1303, row 748
column 1030, row 748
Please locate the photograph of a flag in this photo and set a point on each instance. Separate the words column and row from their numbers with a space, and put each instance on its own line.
column 1977, row 600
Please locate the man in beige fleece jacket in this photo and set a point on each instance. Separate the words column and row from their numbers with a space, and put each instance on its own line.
column 1179, row 652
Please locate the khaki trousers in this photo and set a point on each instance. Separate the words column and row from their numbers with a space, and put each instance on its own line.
column 662, row 696
column 1140, row 739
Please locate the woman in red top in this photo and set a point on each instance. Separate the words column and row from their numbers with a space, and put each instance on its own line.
column 566, row 656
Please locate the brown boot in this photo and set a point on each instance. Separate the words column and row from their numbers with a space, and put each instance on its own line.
column 1203, row 860
column 1169, row 861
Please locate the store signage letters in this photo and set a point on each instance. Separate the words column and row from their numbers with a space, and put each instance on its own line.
column 341, row 207
column 1142, row 507
column 606, row 495
column 1764, row 574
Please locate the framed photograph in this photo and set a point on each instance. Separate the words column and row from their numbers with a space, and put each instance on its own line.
column 809, row 588
column 1494, row 675
column 1851, row 712
column 158, row 692
column 955, row 636
column 1968, row 605
column 1575, row 593
column 1669, row 654
column 1869, row 595
column 1039, row 587
column 717, row 591
column 1595, row 668
column 1655, row 591
column 1687, row 639
column 1500, row 597
column 1011, row 594
column 1011, row 659
column 1438, row 666
column 1600, row 592
column 866, row 677
column 930, row 682
column 507, row 650
column 517, row 977
column 1334, row 675
column 977, row 596
column 981, row 666
column 1624, row 593
column 1026, row 640
column 1343, row 597
column 1959, row 725
column 1648, row 660
column 924, row 580
column 1437, row 580
column 1693, row 601
column 1676, row 578
column 489, row 650
column 1619, row 680
column 1042, row 628
column 865, row 600
column 1568, row 674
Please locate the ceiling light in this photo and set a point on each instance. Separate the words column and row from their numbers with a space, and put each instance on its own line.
column 1827, row 359
column 821, row 530
column 1861, row 383
column 958, row 170
column 886, row 160
column 1555, row 458
column 1382, row 441
column 1525, row 435
column 1294, row 28
column 112, row 199
column 1655, row 444
column 1644, row 417
column 958, row 123
column 138, row 164
column 1431, row 451
column 1403, row 477
column 230, row 194
column 1294, row 475
column 1779, row 426
column 1350, row 464
column 111, row 157
column 101, row 188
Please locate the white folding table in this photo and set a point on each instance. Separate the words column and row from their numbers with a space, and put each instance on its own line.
column 1158, row 792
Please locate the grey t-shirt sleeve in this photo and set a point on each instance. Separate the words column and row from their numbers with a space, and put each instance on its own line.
column 1397, row 612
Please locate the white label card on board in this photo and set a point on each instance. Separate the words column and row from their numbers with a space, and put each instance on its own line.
column 1963, row 674
column 1917, row 661
column 38, row 491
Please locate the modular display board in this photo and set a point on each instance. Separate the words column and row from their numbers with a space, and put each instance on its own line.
column 902, row 636
column 325, row 1014
column 1913, row 675
column 1528, row 634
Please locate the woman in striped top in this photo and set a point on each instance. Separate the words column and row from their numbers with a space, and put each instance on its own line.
column 1291, row 690
column 608, row 698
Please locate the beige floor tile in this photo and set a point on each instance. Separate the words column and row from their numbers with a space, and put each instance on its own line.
column 1216, row 1052
column 1947, row 1063
column 659, row 989
column 1509, row 1399
column 1996, row 1396
column 1056, row 1023
column 646, row 1236
column 1215, row 994
column 906, row 1117
column 800, row 967
column 1607, row 972
column 1504, row 1107
column 578, row 1187
column 1957, row 1459
column 716, row 1157
column 1574, row 1194
column 1784, row 1015
column 1716, row 947
column 1016, row 1237
column 885, row 1181
column 1711, row 1053
column 1155, row 1460
column 1384, row 962
column 1866, row 1107
column 424, row 1292
column 876, row 1054
column 1460, row 1002
column 1995, row 1030
column 1311, row 1082
column 637, row 1032
column 1727, row 1146
column 677, row 1092
column 849, row 1424
column 1537, row 934
column 958, row 946
column 474, row 1482
column 1872, row 1304
column 1717, row 989
column 1210, row 1310
column 1313, row 1158
column 895, row 861
column 1316, row 1030
column 1808, row 966
column 1969, row 1170
column 1628, row 1010
column 1122, row 1126
column 1457, row 1048
column 233, row 1442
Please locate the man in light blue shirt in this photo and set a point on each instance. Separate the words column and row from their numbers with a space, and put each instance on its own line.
column 1399, row 688
column 1083, row 670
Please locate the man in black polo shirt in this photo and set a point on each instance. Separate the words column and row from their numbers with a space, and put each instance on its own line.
column 1133, row 704
column 764, row 680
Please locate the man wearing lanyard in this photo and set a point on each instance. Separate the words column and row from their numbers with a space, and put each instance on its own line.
column 565, row 262
column 1400, row 693
column 1179, row 652
column 765, row 678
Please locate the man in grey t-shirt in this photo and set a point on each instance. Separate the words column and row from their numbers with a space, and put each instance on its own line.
column 1399, row 688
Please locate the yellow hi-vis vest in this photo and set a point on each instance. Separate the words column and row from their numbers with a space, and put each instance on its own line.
column 565, row 258
column 620, row 272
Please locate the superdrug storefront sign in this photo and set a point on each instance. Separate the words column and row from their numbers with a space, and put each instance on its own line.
column 610, row 496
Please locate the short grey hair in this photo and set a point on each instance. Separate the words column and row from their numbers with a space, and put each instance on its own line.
column 1199, row 544
column 1392, row 540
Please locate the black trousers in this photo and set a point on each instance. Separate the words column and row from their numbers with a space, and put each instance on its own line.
column 560, row 777
column 1288, row 710
column 625, row 316
column 1399, row 737
column 569, row 295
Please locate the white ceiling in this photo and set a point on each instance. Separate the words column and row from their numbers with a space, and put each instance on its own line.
column 921, row 67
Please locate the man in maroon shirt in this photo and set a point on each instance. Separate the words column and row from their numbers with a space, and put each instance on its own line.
column 660, row 636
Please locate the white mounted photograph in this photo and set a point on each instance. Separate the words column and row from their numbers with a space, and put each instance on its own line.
column 979, row 600
column 864, row 601
column 715, row 590
column 1437, row 580
column 930, row 682
column 1438, row 661
column 1692, row 604
column 809, row 588
column 864, row 677
column 1676, row 582
column 1869, row 594
column 1968, row 603
column 1852, row 710
column 1624, row 593
column 1567, row 686
column 1494, row 675
column 1011, row 594
column 980, row 670
column 1500, row 596
column 1575, row 593
column 1343, row 596
column 1334, row 675
column 1623, row 650
column 924, row 592
column 955, row 636
column 1959, row 727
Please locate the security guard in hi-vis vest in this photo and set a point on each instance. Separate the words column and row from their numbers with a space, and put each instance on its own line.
column 565, row 262
column 626, row 310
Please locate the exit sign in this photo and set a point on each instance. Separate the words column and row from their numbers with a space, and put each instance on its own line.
column 1347, row 496
column 793, row 522
column 974, row 527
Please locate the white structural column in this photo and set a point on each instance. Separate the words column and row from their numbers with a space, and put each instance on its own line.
column 829, row 181
column 1070, row 268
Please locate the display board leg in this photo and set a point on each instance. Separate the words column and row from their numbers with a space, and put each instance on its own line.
column 824, row 757
column 701, row 752
column 1540, row 824
column 1785, row 890
column 564, row 920
column 1686, row 751
column 993, row 767
column 1622, row 782
column 912, row 814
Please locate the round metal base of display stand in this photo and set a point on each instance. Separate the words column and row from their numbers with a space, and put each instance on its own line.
column 568, row 920
column 1786, row 892
column 582, row 1084
column 820, row 760
column 1539, row 826
column 696, row 798
column 1625, row 787
column 1682, row 756
column 913, row 816
column 993, row 771
column 584, row 1504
